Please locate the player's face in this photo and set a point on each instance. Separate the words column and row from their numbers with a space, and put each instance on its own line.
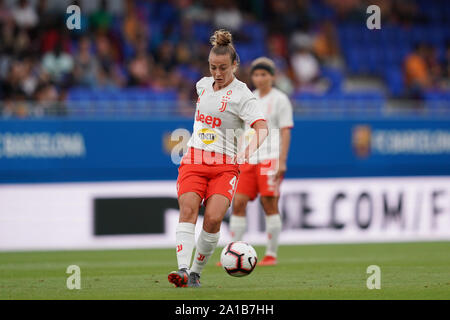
column 262, row 79
column 221, row 68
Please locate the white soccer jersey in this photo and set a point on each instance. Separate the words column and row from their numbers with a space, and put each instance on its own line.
column 277, row 110
column 221, row 116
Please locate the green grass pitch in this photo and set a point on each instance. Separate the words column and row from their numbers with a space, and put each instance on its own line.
column 408, row 271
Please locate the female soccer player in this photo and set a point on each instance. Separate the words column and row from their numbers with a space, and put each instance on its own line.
column 266, row 169
column 209, row 170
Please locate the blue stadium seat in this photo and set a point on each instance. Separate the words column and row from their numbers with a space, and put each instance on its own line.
column 202, row 31
column 437, row 100
column 394, row 81
column 255, row 31
column 334, row 76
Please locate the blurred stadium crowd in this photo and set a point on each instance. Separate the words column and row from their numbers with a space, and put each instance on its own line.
column 148, row 52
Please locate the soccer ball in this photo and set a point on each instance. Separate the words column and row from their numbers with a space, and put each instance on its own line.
column 238, row 258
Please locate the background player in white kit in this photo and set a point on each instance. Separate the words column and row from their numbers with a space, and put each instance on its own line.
column 267, row 166
column 209, row 171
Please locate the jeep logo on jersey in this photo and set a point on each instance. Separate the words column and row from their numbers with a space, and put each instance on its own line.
column 213, row 122
column 208, row 136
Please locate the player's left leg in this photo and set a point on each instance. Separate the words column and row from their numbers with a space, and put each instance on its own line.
column 216, row 208
column 273, row 228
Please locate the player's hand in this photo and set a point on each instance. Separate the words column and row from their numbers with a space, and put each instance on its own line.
column 282, row 167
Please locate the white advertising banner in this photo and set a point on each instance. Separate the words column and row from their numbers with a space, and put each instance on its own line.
column 68, row 216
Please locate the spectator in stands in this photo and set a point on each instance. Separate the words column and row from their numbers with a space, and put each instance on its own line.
column 132, row 26
column 22, row 43
column 18, row 106
column 160, row 78
column 228, row 16
column 5, row 13
column 30, row 77
column 349, row 10
column 105, row 78
column 305, row 65
column 431, row 58
column 416, row 71
column 165, row 56
column 197, row 11
column 47, row 17
column 326, row 46
column 5, row 62
column 286, row 16
column 13, row 80
column 104, row 50
column 25, row 15
column 58, row 64
column 102, row 18
column 139, row 71
column 47, row 101
column 185, row 102
column 86, row 64
column 108, row 59
column 446, row 68
column 14, row 96
column 405, row 12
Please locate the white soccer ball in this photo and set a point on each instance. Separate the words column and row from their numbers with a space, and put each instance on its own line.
column 238, row 258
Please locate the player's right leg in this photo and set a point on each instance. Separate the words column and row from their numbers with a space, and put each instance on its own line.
column 191, row 186
column 185, row 237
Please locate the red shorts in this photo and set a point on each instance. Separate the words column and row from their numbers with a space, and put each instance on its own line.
column 259, row 178
column 207, row 178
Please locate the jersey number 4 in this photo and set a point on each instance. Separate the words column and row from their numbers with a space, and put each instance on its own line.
column 233, row 185
column 233, row 182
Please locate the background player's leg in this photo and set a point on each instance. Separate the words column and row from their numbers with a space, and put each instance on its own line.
column 185, row 233
column 216, row 207
column 238, row 220
column 273, row 224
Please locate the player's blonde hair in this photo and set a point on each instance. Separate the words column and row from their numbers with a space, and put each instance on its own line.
column 222, row 42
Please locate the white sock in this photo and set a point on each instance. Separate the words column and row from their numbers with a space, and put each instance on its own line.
column 238, row 225
column 273, row 228
column 185, row 240
column 206, row 244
